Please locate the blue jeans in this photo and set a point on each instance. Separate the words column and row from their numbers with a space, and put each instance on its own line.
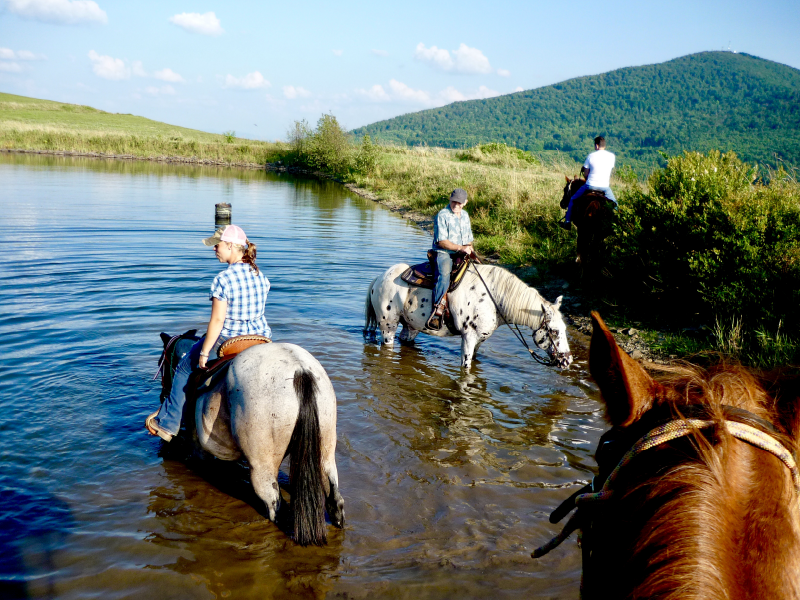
column 582, row 190
column 444, row 264
column 171, row 412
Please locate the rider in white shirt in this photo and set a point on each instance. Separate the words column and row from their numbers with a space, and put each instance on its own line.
column 597, row 170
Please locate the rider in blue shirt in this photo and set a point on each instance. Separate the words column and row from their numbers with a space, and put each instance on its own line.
column 452, row 232
column 238, row 296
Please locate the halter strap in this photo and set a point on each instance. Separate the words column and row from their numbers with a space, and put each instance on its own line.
column 682, row 427
column 761, row 437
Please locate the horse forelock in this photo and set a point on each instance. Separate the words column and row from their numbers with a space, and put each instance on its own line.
column 710, row 516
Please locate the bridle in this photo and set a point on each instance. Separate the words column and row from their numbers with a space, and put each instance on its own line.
column 555, row 357
column 619, row 446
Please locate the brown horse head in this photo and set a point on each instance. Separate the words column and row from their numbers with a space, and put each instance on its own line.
column 572, row 186
column 704, row 515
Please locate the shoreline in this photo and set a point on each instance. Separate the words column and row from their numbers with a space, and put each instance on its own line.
column 631, row 343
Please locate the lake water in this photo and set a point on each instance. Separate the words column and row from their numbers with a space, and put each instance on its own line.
column 448, row 478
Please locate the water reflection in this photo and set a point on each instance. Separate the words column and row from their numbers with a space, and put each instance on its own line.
column 448, row 478
column 34, row 526
column 226, row 546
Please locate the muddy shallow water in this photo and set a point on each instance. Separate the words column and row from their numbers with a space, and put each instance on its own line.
column 448, row 478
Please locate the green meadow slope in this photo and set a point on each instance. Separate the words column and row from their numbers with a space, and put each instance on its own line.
column 708, row 101
column 44, row 125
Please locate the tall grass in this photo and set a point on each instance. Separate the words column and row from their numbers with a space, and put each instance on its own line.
column 20, row 136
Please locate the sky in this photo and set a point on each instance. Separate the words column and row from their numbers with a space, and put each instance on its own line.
column 257, row 67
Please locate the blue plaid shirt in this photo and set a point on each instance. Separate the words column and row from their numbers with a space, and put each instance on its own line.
column 449, row 227
column 246, row 294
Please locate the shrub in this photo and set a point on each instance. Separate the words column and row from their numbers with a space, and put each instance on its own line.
column 328, row 148
column 366, row 159
column 707, row 242
column 500, row 155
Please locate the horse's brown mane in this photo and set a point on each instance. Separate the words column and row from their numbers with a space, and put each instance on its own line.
column 707, row 512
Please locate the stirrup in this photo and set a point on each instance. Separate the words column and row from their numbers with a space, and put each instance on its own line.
column 434, row 322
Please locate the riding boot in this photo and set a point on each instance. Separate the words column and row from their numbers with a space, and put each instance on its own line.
column 437, row 316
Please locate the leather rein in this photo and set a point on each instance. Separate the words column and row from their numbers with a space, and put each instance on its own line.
column 619, row 446
column 557, row 356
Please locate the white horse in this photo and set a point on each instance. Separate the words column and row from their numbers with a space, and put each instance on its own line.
column 391, row 301
column 276, row 400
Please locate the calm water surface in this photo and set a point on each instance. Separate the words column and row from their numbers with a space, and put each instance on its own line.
column 448, row 478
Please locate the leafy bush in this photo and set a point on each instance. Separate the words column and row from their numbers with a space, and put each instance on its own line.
column 708, row 242
column 366, row 160
column 328, row 148
column 229, row 136
column 500, row 155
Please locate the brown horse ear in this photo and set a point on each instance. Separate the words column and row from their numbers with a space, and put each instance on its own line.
column 568, row 179
column 626, row 387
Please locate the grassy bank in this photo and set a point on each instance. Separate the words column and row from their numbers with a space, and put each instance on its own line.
column 31, row 124
column 703, row 254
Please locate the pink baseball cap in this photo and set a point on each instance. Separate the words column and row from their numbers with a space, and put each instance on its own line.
column 231, row 233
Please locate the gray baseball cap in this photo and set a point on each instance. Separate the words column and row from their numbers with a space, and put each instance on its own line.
column 459, row 196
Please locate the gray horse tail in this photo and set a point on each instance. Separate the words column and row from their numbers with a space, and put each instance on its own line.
column 305, row 474
column 370, row 318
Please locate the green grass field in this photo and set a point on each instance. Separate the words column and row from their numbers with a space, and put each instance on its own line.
column 31, row 124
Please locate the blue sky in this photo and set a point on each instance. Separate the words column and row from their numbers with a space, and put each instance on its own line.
column 256, row 67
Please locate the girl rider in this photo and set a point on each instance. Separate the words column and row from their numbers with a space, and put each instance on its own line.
column 238, row 296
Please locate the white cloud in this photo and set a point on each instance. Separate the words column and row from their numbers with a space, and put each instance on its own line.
column 159, row 91
column 400, row 92
column 251, row 81
column 504, row 72
column 439, row 58
column 519, row 88
column 403, row 92
column 376, row 93
column 138, row 69
column 10, row 67
column 168, row 75
column 377, row 52
column 471, row 60
column 9, row 54
column 66, row 12
column 292, row 92
column 337, row 52
column 464, row 60
column 205, row 24
column 108, row 67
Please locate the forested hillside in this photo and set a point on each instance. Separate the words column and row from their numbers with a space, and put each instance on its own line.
column 712, row 100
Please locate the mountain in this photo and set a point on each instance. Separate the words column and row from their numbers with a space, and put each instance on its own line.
column 711, row 100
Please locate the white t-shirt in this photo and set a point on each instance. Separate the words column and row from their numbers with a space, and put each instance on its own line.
column 599, row 164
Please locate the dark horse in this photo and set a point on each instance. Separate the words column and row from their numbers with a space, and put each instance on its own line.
column 592, row 217
column 697, row 491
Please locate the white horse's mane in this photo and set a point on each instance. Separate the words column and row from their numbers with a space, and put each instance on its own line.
column 519, row 303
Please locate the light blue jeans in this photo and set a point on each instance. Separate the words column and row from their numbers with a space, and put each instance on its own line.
column 171, row 412
column 444, row 265
column 582, row 190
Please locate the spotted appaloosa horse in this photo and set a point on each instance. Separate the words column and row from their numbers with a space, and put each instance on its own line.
column 697, row 496
column 591, row 215
column 276, row 400
column 391, row 301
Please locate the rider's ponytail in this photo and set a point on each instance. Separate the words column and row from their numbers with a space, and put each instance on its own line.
column 249, row 256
